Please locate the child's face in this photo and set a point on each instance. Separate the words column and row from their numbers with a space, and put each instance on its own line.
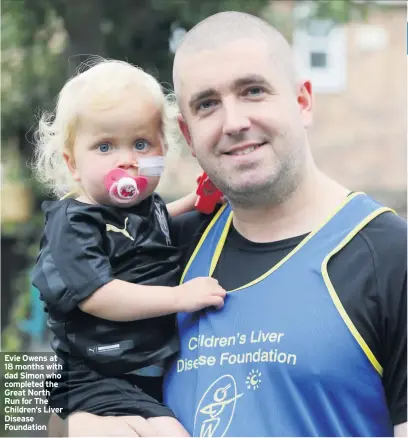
column 117, row 136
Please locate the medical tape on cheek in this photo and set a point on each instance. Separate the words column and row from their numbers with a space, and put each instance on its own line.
column 151, row 166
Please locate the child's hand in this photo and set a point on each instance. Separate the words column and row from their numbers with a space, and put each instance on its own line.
column 199, row 293
column 208, row 195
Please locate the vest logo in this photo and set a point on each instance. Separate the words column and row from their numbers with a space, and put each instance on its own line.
column 253, row 380
column 123, row 230
column 216, row 408
column 161, row 218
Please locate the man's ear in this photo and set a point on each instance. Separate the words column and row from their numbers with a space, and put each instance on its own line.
column 70, row 162
column 305, row 101
column 186, row 132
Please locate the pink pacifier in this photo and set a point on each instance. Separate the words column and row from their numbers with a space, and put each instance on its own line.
column 123, row 187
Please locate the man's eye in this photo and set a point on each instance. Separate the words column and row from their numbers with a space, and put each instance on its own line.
column 207, row 104
column 104, row 147
column 254, row 91
column 141, row 145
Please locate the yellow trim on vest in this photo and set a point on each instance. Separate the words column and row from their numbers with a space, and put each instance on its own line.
column 333, row 292
column 67, row 195
column 220, row 245
column 197, row 248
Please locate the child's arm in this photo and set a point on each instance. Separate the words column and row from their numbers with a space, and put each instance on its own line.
column 182, row 205
column 122, row 301
column 73, row 271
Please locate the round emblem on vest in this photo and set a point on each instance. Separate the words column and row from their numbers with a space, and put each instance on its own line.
column 216, row 408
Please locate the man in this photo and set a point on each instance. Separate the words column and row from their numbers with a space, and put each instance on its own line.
column 312, row 337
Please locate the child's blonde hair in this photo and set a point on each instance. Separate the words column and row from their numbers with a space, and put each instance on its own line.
column 106, row 80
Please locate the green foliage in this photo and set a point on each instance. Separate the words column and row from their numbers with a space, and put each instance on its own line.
column 45, row 40
column 11, row 337
column 340, row 11
column 32, row 44
column 188, row 13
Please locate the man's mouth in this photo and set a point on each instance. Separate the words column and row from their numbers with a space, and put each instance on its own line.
column 245, row 150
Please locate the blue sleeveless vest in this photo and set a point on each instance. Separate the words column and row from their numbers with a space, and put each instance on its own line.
column 282, row 358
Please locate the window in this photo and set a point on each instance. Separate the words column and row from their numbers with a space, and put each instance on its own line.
column 318, row 59
column 320, row 53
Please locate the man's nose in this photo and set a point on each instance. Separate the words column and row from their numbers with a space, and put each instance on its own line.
column 236, row 120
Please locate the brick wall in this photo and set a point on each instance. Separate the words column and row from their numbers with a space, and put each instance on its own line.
column 359, row 136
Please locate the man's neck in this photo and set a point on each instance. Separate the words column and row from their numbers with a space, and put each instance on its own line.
column 308, row 207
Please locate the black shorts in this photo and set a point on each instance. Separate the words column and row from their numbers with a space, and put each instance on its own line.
column 85, row 390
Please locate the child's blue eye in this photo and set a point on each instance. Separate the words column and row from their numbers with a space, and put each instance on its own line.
column 104, row 147
column 141, row 145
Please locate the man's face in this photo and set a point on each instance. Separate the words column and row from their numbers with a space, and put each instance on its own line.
column 244, row 120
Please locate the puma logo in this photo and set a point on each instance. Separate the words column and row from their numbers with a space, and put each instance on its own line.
column 123, row 230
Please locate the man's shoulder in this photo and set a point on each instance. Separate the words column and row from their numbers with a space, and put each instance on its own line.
column 386, row 233
column 389, row 220
column 378, row 253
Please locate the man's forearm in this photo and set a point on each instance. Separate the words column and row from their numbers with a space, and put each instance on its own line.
column 122, row 301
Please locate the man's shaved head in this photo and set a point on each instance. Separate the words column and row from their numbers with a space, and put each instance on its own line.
column 226, row 27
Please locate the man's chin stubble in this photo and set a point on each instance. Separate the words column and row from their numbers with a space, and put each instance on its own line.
column 269, row 194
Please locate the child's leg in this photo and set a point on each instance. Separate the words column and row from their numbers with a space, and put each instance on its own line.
column 167, row 426
column 56, row 426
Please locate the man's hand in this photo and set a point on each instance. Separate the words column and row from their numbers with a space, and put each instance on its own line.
column 199, row 293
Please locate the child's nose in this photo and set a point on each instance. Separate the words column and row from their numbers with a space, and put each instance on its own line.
column 128, row 160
